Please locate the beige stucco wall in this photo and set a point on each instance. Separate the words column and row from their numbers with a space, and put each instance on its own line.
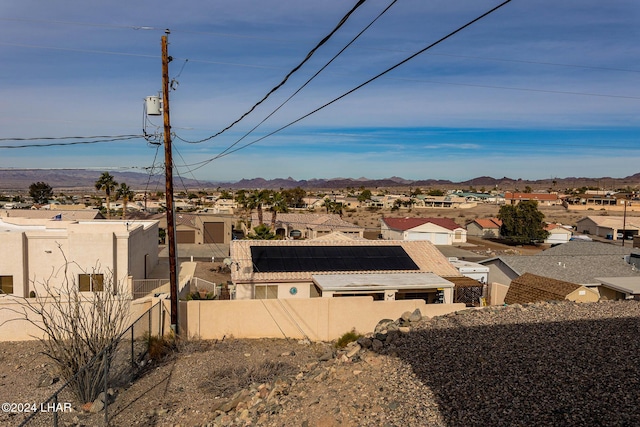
column 583, row 294
column 113, row 248
column 320, row 319
column 245, row 290
column 610, row 294
column 497, row 292
column 14, row 326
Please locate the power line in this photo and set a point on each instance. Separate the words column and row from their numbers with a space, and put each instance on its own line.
column 388, row 70
column 55, row 144
column 290, row 73
column 310, row 79
column 68, row 137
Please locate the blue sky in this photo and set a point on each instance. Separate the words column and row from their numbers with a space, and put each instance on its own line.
column 538, row 89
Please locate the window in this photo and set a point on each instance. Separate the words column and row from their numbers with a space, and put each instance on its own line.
column 267, row 292
column 91, row 282
column 6, row 284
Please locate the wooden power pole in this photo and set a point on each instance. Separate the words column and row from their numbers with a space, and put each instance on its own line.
column 168, row 164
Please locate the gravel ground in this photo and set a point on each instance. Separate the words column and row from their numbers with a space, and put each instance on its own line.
column 545, row 364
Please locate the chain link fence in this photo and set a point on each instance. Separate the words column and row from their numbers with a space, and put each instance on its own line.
column 119, row 365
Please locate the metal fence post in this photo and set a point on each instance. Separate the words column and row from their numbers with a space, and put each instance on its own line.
column 55, row 413
column 132, row 353
column 105, row 360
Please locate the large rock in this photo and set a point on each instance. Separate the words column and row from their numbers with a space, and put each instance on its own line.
column 416, row 316
column 383, row 326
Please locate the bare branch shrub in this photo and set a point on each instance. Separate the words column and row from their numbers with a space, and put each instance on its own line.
column 79, row 328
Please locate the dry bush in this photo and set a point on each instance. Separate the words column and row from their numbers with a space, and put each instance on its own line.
column 79, row 329
column 223, row 381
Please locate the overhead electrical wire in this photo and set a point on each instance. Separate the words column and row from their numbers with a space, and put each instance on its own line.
column 290, row 73
column 377, row 76
column 43, row 138
column 308, row 80
column 55, row 144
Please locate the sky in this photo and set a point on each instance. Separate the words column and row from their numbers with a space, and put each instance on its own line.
column 537, row 89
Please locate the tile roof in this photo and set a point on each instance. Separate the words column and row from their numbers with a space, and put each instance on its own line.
column 531, row 196
column 186, row 219
column 423, row 253
column 405, row 224
column 311, row 221
column 338, row 236
column 488, row 222
column 533, row 288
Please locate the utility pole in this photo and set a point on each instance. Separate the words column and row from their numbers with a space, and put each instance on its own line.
column 624, row 221
column 168, row 164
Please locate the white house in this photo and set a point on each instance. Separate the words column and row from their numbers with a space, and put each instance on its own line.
column 439, row 231
column 35, row 251
column 557, row 234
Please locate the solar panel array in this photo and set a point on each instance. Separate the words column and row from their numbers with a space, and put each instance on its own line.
column 271, row 259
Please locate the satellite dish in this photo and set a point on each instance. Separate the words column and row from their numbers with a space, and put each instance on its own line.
column 227, row 261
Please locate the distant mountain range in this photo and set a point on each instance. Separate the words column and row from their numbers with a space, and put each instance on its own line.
column 77, row 179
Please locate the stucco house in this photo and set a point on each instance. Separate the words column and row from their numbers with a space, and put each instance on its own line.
column 385, row 270
column 609, row 226
column 484, row 227
column 546, row 199
column 200, row 228
column 36, row 251
column 557, row 234
column 308, row 225
column 439, row 231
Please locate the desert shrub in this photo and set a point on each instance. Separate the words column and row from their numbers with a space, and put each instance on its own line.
column 347, row 338
column 80, row 330
column 226, row 380
column 159, row 347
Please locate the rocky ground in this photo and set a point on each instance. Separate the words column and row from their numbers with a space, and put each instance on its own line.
column 545, row 364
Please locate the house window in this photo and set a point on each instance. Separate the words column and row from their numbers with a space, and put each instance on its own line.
column 267, row 292
column 91, row 282
column 296, row 234
column 458, row 235
column 6, row 284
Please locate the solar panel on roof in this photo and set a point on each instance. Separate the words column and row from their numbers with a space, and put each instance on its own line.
column 268, row 259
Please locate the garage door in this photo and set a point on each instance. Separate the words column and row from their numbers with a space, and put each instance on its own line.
column 440, row 238
column 185, row 236
column 214, row 232
column 435, row 238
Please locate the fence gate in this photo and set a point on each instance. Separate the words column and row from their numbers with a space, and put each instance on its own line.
column 469, row 295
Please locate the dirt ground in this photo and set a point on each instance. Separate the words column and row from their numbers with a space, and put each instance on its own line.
column 188, row 387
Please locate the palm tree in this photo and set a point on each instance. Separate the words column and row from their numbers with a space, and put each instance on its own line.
column 278, row 205
column 125, row 193
column 106, row 183
column 255, row 201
